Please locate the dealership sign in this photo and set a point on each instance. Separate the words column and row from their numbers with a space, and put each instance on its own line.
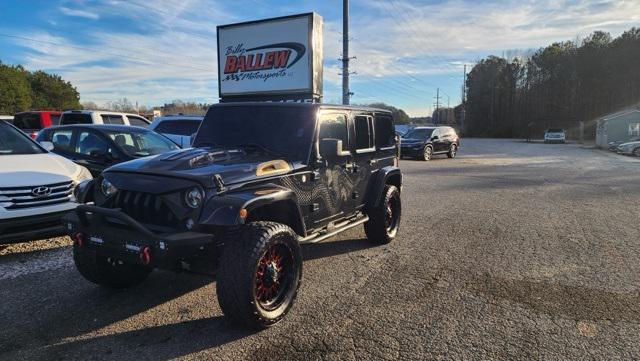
column 272, row 59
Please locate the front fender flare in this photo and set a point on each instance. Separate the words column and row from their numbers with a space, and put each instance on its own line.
column 224, row 210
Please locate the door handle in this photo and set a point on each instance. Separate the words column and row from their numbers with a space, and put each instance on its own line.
column 373, row 162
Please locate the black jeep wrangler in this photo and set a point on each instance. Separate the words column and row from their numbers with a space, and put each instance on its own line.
column 261, row 179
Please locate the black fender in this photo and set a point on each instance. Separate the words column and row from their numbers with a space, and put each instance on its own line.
column 384, row 176
column 224, row 210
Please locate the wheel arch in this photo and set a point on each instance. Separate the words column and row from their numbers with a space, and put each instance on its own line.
column 271, row 203
column 390, row 175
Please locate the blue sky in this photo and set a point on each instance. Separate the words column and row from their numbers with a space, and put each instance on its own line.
column 157, row 51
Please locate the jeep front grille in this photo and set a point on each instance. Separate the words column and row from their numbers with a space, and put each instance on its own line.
column 143, row 207
column 13, row 198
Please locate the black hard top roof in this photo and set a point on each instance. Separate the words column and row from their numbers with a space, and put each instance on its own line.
column 304, row 105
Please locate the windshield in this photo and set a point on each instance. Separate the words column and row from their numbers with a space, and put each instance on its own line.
column 13, row 141
column 555, row 131
column 278, row 130
column 141, row 143
column 423, row 133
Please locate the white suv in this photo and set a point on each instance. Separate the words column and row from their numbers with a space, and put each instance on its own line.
column 35, row 187
column 102, row 117
column 179, row 128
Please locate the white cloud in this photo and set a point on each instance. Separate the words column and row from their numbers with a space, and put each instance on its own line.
column 395, row 42
column 79, row 13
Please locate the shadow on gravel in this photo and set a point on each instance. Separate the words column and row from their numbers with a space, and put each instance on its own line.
column 334, row 248
column 63, row 306
column 162, row 342
column 555, row 299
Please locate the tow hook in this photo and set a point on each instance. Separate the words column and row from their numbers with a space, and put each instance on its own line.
column 79, row 239
column 145, row 255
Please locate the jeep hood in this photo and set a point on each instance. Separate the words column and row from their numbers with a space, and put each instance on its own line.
column 197, row 164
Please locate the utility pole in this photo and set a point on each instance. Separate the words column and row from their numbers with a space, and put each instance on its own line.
column 345, row 52
column 464, row 99
column 436, row 115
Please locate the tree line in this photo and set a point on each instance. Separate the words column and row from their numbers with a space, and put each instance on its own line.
column 22, row 90
column 555, row 86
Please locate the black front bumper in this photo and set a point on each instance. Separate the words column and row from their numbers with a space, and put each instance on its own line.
column 111, row 232
column 31, row 228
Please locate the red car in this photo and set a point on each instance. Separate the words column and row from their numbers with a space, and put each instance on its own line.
column 33, row 121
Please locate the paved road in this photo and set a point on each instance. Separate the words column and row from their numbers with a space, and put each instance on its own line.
column 511, row 251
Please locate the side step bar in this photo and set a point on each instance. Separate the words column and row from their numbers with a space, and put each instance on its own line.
column 319, row 237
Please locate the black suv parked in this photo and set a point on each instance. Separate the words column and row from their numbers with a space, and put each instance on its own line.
column 98, row 146
column 425, row 142
column 262, row 179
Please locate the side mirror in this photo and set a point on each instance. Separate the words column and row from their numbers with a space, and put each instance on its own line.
column 47, row 145
column 331, row 148
column 192, row 139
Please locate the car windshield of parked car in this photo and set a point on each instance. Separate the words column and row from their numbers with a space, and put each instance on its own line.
column 138, row 144
column 418, row 133
column 555, row 131
column 285, row 131
column 13, row 142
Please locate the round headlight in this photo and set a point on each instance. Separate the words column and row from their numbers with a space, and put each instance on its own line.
column 107, row 188
column 193, row 197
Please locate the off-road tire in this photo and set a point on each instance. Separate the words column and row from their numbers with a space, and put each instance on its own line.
column 108, row 272
column 452, row 151
column 237, row 279
column 376, row 228
column 426, row 155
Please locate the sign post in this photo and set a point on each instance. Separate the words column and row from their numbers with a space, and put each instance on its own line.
column 278, row 59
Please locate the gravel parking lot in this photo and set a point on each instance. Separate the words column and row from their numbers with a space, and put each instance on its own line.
column 511, row 251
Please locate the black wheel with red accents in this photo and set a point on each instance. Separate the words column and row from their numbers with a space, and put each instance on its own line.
column 384, row 219
column 259, row 275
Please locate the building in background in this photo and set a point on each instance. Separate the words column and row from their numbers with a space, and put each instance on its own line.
column 618, row 127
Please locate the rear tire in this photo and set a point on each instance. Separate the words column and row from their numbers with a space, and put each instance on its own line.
column 259, row 275
column 108, row 271
column 636, row 152
column 384, row 220
column 452, row 151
